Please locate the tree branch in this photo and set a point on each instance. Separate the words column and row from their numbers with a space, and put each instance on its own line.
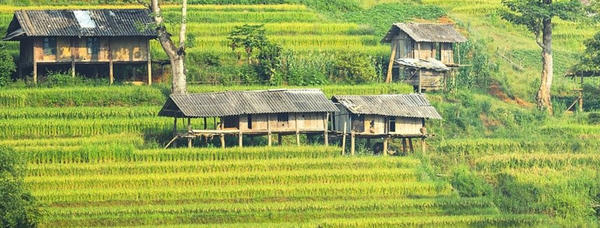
column 182, row 31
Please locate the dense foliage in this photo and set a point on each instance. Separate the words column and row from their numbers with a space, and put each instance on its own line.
column 18, row 207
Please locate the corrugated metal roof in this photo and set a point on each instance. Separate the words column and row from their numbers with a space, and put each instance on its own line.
column 409, row 105
column 436, row 33
column 233, row 103
column 428, row 64
column 81, row 23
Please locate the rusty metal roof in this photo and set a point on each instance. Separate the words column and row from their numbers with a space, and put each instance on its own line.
column 81, row 23
column 436, row 33
column 233, row 103
column 407, row 105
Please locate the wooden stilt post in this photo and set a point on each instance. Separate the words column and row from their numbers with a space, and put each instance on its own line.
column 279, row 139
column 326, row 132
column 205, row 126
column 35, row 72
column 269, row 134
column 385, row 145
column 344, row 140
column 72, row 59
column 189, row 128
column 404, row 145
column 388, row 78
column 223, row 141
column 297, row 130
column 175, row 131
column 149, row 66
column 410, row 144
column 111, row 69
column 352, row 142
column 215, row 122
column 241, row 139
column 423, row 145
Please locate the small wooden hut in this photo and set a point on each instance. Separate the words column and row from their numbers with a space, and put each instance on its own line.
column 423, row 54
column 384, row 116
column 82, row 39
column 264, row 112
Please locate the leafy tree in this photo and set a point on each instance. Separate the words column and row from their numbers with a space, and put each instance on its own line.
column 249, row 37
column 537, row 16
column 7, row 66
column 590, row 59
column 355, row 68
column 252, row 38
column 17, row 207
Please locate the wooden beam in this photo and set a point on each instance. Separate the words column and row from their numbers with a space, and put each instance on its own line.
column 404, row 145
column 279, row 139
column 420, row 84
column 189, row 142
column 344, row 140
column 410, row 145
column 388, row 78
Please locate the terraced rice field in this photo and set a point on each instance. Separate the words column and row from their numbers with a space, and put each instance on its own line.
column 285, row 186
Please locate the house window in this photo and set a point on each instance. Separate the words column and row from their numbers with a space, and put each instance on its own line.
column 392, row 124
column 231, row 122
column 50, row 46
column 93, row 46
column 249, row 121
column 283, row 117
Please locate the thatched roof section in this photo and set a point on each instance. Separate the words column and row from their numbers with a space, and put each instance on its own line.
column 427, row 64
column 233, row 103
column 435, row 33
column 80, row 23
column 409, row 105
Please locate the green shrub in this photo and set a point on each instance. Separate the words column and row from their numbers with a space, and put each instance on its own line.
column 354, row 68
column 7, row 66
column 594, row 118
column 468, row 184
column 17, row 207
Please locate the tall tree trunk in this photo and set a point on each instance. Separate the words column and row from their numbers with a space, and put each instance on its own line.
column 544, row 93
column 176, row 54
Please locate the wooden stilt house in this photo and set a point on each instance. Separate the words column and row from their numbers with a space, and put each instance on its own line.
column 82, row 39
column 384, row 116
column 265, row 112
column 422, row 54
